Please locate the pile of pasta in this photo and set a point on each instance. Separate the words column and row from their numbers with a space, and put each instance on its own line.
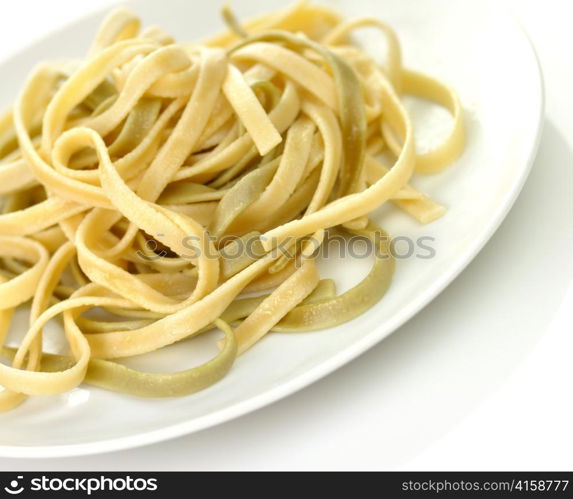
column 132, row 178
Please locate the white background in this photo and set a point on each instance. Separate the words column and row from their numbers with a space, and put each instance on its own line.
column 486, row 371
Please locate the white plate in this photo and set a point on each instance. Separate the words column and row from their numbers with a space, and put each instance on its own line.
column 475, row 47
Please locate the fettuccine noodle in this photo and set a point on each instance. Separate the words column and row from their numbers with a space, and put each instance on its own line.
column 133, row 181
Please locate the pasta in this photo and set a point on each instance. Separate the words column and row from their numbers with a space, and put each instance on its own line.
column 135, row 180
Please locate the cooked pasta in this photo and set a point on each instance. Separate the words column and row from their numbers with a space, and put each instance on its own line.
column 134, row 181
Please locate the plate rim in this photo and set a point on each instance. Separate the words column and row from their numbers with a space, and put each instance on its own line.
column 336, row 361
